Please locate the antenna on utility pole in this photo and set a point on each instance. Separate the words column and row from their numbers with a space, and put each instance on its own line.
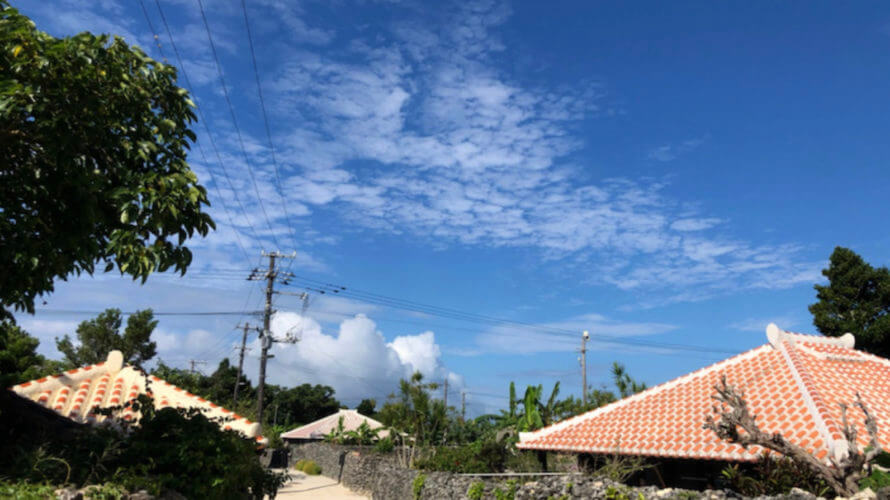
column 245, row 327
column 271, row 275
column 584, row 338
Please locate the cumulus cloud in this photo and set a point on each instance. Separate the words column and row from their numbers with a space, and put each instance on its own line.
column 357, row 361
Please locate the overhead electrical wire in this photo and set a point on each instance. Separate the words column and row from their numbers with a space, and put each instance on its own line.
column 204, row 122
column 156, row 313
column 259, row 89
column 323, row 287
column 228, row 100
column 407, row 305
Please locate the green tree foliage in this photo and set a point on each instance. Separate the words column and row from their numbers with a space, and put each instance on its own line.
column 219, row 387
column 414, row 412
column 299, row 405
column 170, row 449
column 856, row 300
column 367, row 407
column 101, row 335
column 19, row 360
column 626, row 385
column 94, row 136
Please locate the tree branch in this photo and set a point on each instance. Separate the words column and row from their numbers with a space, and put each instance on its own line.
column 735, row 424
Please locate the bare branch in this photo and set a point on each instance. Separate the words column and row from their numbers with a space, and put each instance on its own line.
column 735, row 424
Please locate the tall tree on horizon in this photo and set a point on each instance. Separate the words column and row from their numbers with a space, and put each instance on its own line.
column 856, row 300
column 100, row 335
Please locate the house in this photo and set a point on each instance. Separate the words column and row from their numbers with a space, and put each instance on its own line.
column 794, row 385
column 316, row 431
column 77, row 393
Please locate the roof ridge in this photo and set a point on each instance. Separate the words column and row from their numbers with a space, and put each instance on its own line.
column 814, row 402
column 648, row 392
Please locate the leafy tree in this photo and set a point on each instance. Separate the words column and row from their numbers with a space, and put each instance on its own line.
column 572, row 406
column 856, row 300
column 299, row 405
column 366, row 407
column 94, row 136
column 19, row 360
column 530, row 419
column 219, row 387
column 414, row 414
column 626, row 385
column 99, row 336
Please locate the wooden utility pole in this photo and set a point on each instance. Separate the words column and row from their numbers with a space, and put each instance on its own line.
column 463, row 405
column 266, row 334
column 446, row 393
column 193, row 362
column 245, row 327
column 584, row 337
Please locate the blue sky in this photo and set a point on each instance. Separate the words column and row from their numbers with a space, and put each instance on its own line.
column 662, row 174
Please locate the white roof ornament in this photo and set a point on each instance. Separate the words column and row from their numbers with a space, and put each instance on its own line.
column 114, row 362
column 774, row 334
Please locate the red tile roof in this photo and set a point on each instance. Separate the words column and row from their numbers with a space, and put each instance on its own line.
column 793, row 385
column 77, row 393
column 318, row 429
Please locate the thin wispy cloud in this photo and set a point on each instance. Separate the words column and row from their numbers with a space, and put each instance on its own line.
column 418, row 131
column 669, row 152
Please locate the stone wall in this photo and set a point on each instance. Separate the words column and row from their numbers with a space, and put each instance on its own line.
column 359, row 468
column 363, row 470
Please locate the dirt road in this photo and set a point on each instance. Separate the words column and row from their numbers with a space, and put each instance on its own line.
column 302, row 486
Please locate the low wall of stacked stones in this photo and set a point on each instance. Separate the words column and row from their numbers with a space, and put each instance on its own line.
column 379, row 476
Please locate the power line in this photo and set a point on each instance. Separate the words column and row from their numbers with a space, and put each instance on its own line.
column 225, row 89
column 204, row 122
column 455, row 314
column 151, row 26
column 259, row 89
column 156, row 313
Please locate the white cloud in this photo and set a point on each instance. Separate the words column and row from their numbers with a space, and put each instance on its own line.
column 670, row 152
column 357, row 361
column 785, row 321
column 453, row 150
column 695, row 224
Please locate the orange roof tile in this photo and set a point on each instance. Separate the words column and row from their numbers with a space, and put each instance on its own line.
column 794, row 385
column 77, row 393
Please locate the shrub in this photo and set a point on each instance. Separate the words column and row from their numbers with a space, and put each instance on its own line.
column 876, row 480
column 170, row 449
column 417, row 486
column 476, row 490
column 309, row 467
column 107, row 491
column 510, row 493
column 273, row 433
column 384, row 445
column 773, row 476
column 26, row 491
column 487, row 456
